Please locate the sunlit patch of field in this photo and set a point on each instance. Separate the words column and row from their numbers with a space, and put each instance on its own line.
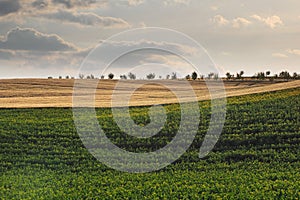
column 35, row 93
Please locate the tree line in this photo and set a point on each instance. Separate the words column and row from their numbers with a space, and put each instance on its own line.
column 195, row 76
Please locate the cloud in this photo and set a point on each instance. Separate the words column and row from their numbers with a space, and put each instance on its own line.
column 279, row 55
column 176, row 2
column 32, row 40
column 76, row 3
column 294, row 51
column 272, row 22
column 88, row 19
column 6, row 54
column 220, row 20
column 240, row 22
column 235, row 23
column 9, row 6
column 130, row 2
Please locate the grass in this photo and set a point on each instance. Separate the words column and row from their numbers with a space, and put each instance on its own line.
column 257, row 156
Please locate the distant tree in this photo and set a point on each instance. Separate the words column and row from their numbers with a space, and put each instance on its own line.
column 92, row 76
column 67, row 77
column 102, row 76
column 111, row 76
column 268, row 73
column 50, row 77
column 124, row 77
column 194, row 75
column 174, row 76
column 240, row 75
column 160, row 77
column 168, row 76
column 261, row 75
column 228, row 76
column 132, row 76
column 60, row 77
column 150, row 76
column 216, row 76
column 188, row 77
column 210, row 75
column 81, row 76
column 88, row 77
column 201, row 77
column 296, row 76
column 285, row 75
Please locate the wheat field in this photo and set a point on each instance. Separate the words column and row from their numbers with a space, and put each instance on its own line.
column 39, row 93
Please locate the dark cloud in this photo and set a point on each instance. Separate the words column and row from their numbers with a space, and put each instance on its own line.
column 76, row 3
column 32, row 40
column 40, row 4
column 88, row 19
column 6, row 54
column 9, row 6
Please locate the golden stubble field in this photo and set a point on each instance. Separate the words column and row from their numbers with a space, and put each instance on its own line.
column 38, row 93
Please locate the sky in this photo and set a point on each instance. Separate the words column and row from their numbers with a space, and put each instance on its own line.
column 42, row 38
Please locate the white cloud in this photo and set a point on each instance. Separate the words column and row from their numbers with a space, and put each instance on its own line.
column 294, row 51
column 32, row 40
column 272, row 22
column 279, row 55
column 220, row 20
column 240, row 22
column 88, row 19
column 235, row 23
column 176, row 2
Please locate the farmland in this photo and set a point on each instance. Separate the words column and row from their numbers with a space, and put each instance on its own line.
column 257, row 155
column 33, row 93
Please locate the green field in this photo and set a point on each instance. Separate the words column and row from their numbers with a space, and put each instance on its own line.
column 257, row 156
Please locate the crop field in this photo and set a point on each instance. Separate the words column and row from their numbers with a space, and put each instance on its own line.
column 256, row 157
column 33, row 93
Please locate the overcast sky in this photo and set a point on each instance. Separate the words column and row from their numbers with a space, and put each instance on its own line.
column 41, row 38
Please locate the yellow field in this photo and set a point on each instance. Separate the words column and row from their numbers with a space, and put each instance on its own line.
column 36, row 93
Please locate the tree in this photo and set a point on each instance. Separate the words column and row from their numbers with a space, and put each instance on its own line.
column 124, row 77
column 216, row 76
column 67, row 77
column 285, row 75
column 268, row 73
column 261, row 75
column 228, row 76
column 132, row 76
column 111, row 76
column 150, row 76
column 92, row 76
column 194, row 75
column 240, row 75
column 168, row 76
column 60, row 77
column 81, row 76
column 210, row 75
column 188, row 77
column 102, row 76
column 296, row 76
column 174, row 76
